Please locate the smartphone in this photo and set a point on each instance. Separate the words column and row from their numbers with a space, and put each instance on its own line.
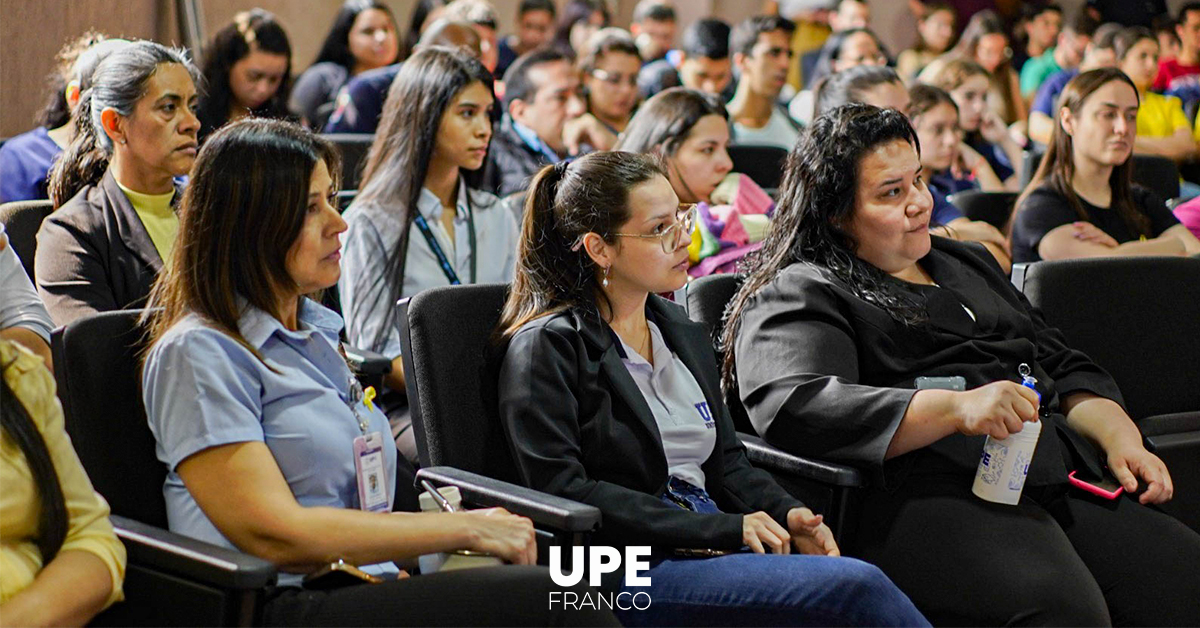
column 337, row 575
column 1106, row 487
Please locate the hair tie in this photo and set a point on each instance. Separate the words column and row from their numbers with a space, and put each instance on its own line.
column 560, row 168
column 242, row 20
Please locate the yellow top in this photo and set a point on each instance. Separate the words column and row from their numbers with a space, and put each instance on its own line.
column 157, row 216
column 1160, row 116
column 88, row 529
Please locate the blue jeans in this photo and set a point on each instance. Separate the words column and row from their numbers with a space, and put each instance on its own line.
column 769, row 590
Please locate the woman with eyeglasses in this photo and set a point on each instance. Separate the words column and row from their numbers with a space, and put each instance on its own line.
column 610, row 396
column 843, row 50
column 608, row 74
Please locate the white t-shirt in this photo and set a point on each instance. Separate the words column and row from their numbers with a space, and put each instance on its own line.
column 778, row 131
column 685, row 422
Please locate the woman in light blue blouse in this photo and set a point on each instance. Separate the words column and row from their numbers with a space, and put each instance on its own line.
column 416, row 224
column 271, row 446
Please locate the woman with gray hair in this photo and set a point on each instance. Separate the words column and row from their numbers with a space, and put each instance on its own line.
column 114, row 188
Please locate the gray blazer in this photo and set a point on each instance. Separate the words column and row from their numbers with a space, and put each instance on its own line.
column 94, row 254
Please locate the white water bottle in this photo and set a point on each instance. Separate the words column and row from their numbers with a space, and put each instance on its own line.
column 1004, row 464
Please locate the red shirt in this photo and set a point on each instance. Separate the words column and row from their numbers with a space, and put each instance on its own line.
column 1169, row 70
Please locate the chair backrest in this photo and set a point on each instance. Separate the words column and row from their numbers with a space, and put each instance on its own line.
column 1033, row 158
column 707, row 298
column 763, row 164
column 21, row 220
column 444, row 337
column 994, row 208
column 96, row 367
column 1157, row 173
column 1135, row 317
column 354, row 148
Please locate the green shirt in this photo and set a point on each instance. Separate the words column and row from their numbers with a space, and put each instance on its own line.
column 1036, row 71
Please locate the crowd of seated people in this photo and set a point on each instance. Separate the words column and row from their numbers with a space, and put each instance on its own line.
column 595, row 170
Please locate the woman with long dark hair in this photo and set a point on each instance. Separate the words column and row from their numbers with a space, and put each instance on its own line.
column 247, row 71
column 1082, row 201
column 985, row 134
column 115, row 186
column 935, row 34
column 578, row 21
column 610, row 396
column 608, row 74
column 858, row 337
column 364, row 36
column 416, row 223
column 258, row 417
column 62, row 562
column 843, row 50
column 985, row 41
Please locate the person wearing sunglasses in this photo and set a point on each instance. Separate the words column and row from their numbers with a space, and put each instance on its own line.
column 610, row 396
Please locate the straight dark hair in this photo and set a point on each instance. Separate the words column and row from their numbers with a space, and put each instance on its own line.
column 416, row 20
column 119, row 82
column 574, row 12
column 832, row 51
column 930, row 9
column 1057, row 169
column 664, row 122
column 336, row 47
column 250, row 31
column 244, row 207
column 850, row 85
column 52, row 515
column 398, row 160
column 816, row 202
column 745, row 34
column 708, row 37
column 567, row 201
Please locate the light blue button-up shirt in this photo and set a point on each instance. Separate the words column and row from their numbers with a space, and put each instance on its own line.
column 203, row 389
column 374, row 232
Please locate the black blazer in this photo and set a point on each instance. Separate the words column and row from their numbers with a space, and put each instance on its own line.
column 579, row 427
column 825, row 373
column 94, row 254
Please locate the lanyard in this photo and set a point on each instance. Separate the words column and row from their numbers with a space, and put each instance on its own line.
column 447, row 267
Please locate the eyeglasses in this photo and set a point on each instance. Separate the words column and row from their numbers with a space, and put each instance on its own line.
column 669, row 237
column 613, row 78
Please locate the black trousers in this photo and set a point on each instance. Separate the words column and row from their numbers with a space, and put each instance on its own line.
column 495, row 596
column 1059, row 558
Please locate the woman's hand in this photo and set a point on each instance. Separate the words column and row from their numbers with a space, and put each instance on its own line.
column 810, row 534
column 1132, row 461
column 762, row 533
column 501, row 533
column 997, row 409
column 992, row 128
column 587, row 129
column 1088, row 232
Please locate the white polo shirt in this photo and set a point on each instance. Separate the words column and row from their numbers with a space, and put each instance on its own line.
column 685, row 422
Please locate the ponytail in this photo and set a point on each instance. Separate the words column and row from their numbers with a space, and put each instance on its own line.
column 84, row 162
column 52, row 516
column 567, row 201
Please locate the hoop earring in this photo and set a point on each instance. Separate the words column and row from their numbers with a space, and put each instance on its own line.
column 605, row 281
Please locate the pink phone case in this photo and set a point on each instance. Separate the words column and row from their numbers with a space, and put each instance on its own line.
column 1093, row 489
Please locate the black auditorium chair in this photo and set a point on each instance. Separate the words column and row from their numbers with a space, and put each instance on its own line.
column 1032, row 159
column 21, row 220
column 826, row 487
column 763, row 164
column 353, row 147
column 170, row 579
column 1160, row 174
column 994, row 208
column 444, row 336
column 1136, row 317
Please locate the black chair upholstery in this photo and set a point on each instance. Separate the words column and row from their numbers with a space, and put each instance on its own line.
column 1033, row 159
column 1157, row 173
column 353, row 147
column 763, row 164
column 826, row 487
column 21, row 220
column 1136, row 318
column 444, row 337
column 171, row 579
column 994, row 208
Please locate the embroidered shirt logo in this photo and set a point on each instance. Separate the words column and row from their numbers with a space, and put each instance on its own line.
column 706, row 414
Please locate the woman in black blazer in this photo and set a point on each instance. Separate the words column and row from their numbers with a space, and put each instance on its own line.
column 114, row 187
column 848, row 304
column 610, row 396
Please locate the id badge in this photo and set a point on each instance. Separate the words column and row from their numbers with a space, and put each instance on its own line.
column 368, row 466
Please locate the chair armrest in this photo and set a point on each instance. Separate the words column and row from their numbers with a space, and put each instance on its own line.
column 547, row 510
column 776, row 460
column 367, row 362
column 191, row 558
